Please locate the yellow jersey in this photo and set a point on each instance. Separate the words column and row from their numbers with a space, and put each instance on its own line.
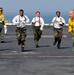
column 2, row 18
column 71, row 26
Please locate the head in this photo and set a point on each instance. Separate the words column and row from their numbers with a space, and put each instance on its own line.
column 1, row 10
column 21, row 12
column 71, row 14
column 58, row 13
column 37, row 14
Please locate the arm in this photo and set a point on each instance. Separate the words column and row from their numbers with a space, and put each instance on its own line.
column 63, row 21
column 27, row 19
column 15, row 20
column 53, row 20
column 3, row 19
column 69, row 29
column 42, row 23
column 33, row 21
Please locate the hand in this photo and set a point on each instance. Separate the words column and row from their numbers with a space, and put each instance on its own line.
column 63, row 23
column 41, row 28
column 23, row 21
column 33, row 23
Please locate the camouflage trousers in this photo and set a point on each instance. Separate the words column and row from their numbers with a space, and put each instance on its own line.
column 58, row 32
column 1, row 32
column 58, row 35
column 37, row 34
column 21, row 34
column 73, row 43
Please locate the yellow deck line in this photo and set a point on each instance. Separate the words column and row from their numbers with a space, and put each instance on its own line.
column 13, row 56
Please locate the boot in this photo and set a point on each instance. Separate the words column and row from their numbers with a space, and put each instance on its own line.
column 3, row 41
column 37, row 46
column 19, row 42
column 56, row 39
column 22, row 48
column 59, row 42
column 36, row 43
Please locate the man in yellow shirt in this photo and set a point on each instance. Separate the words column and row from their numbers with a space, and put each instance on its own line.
column 2, row 23
column 71, row 24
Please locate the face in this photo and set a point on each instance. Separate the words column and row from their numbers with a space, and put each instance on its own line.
column 71, row 14
column 58, row 14
column 21, row 13
column 38, row 14
column 1, row 11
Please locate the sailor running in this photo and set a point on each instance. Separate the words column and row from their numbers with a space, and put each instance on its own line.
column 20, row 20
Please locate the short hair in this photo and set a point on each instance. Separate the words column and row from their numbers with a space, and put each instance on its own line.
column 58, row 12
column 38, row 12
column 21, row 10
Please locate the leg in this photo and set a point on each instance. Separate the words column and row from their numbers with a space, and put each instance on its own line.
column 22, row 40
column 59, row 42
column 2, row 35
column 36, row 37
column 56, row 39
column 59, row 37
column 55, row 36
column 23, row 33
column 73, row 43
column 18, row 36
column 39, row 34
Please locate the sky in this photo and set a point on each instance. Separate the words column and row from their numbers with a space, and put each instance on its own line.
column 31, row 6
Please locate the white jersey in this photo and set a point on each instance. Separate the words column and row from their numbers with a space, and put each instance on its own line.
column 20, row 21
column 57, row 21
column 38, row 21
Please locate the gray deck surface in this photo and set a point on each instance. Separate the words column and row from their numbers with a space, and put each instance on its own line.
column 45, row 60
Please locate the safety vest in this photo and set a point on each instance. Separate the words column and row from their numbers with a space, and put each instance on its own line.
column 2, row 18
column 71, row 26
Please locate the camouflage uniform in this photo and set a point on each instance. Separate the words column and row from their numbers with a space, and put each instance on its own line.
column 21, row 21
column 1, row 32
column 58, row 35
column 2, row 23
column 37, row 24
column 21, row 34
column 37, row 34
column 58, row 23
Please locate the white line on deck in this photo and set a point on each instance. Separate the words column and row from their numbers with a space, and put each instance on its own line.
column 43, row 36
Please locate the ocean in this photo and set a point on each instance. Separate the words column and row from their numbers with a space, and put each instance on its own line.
column 47, row 17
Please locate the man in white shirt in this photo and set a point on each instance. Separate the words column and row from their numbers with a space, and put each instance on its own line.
column 58, row 23
column 37, row 24
column 20, row 20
